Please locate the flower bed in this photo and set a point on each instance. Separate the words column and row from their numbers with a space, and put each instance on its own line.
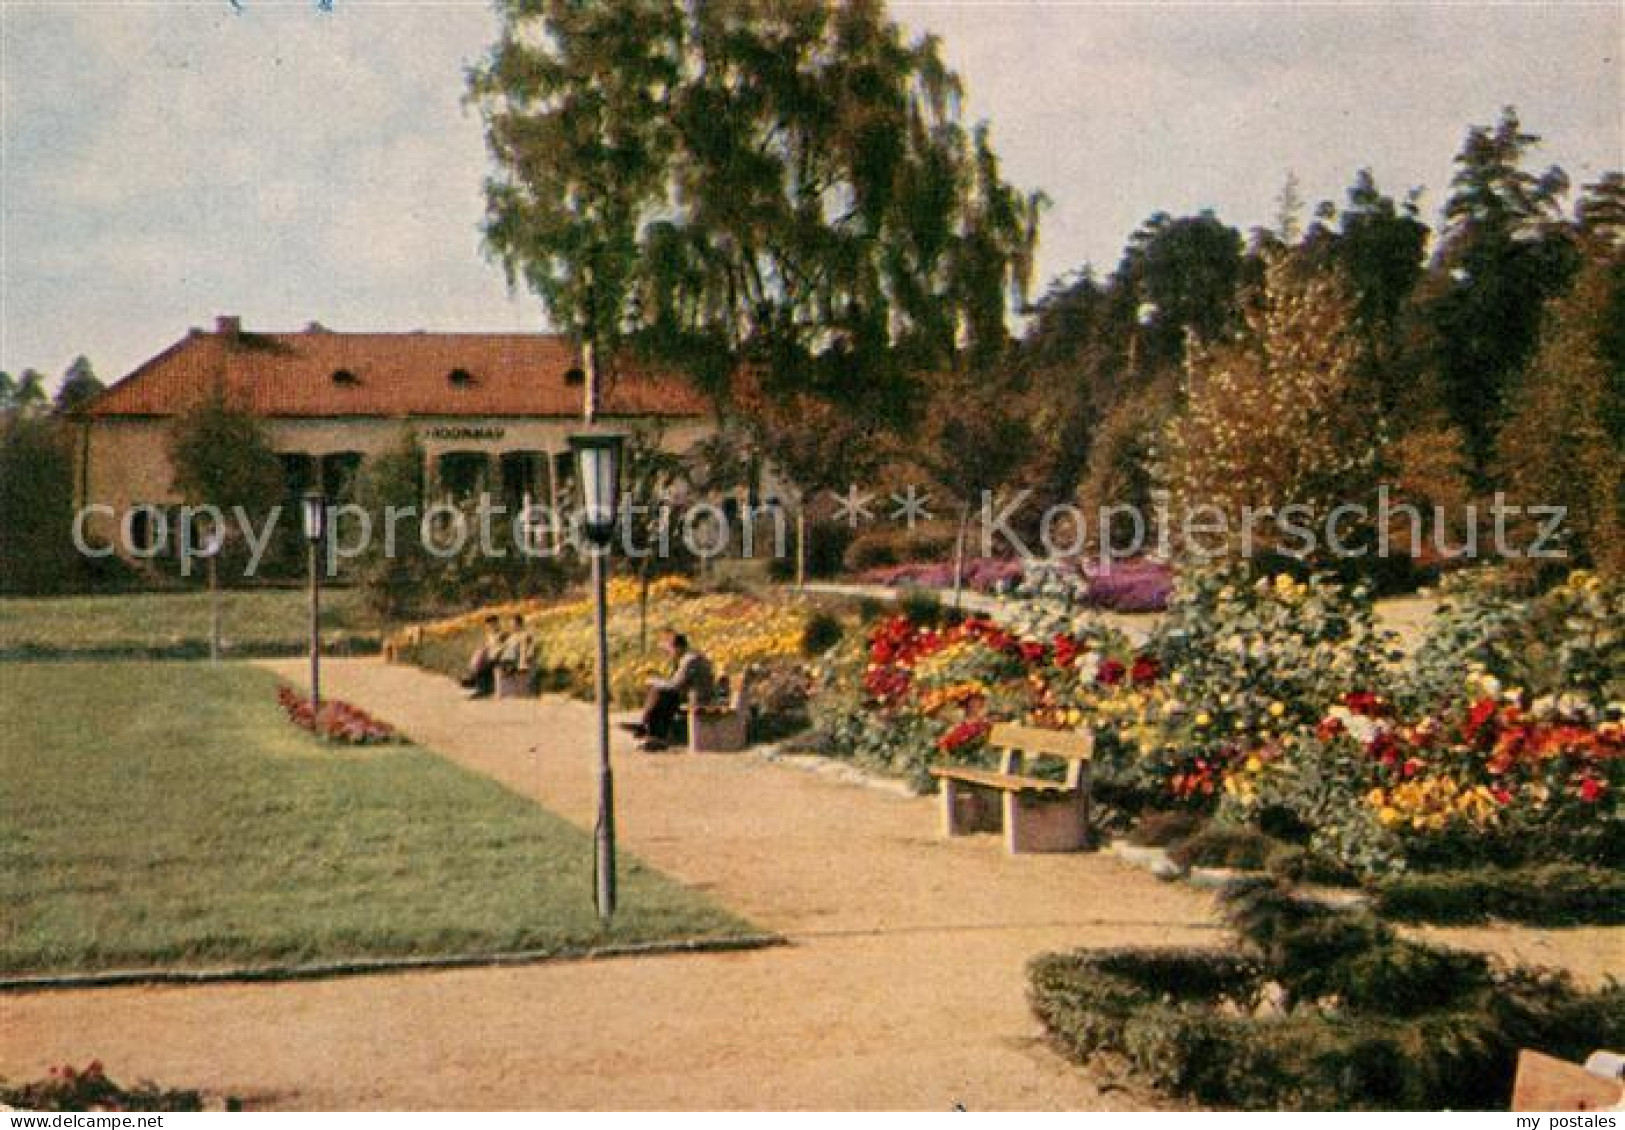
column 740, row 633
column 89, row 1089
column 917, row 695
column 1139, row 585
column 1317, row 1010
column 1279, row 704
column 335, row 721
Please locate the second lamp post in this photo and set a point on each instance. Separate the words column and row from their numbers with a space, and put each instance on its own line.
column 315, row 514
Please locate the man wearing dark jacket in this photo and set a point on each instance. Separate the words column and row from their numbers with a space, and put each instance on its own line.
column 691, row 676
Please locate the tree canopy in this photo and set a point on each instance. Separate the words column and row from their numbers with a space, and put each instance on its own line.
column 786, row 185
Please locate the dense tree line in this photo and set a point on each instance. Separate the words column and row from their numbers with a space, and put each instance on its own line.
column 1483, row 357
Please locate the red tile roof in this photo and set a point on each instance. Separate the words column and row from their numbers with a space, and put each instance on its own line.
column 391, row 374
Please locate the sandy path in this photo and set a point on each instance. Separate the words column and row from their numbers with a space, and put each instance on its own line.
column 903, row 987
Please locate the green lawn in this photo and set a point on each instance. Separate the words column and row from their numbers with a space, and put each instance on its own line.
column 176, row 625
column 167, row 814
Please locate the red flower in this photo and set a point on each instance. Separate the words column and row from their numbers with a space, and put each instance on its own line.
column 966, row 733
column 1111, row 673
column 1145, row 670
column 1066, row 650
column 1031, row 653
column 1477, row 718
column 1366, row 703
column 1591, row 790
column 1385, row 748
column 1329, row 728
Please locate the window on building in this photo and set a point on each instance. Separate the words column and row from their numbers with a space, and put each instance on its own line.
column 564, row 474
column 463, row 474
column 340, row 472
column 345, row 377
column 143, row 534
column 524, row 474
column 460, row 377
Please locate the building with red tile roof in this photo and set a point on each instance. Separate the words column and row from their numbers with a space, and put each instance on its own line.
column 492, row 411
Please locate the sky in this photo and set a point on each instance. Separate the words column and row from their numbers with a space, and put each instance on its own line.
column 162, row 163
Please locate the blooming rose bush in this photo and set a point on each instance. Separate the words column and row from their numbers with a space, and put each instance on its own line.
column 1501, row 778
column 911, row 695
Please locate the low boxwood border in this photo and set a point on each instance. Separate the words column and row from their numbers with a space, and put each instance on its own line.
column 1552, row 894
column 1163, row 1014
column 1558, row 894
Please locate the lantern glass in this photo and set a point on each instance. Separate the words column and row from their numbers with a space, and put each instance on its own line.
column 598, row 470
column 315, row 511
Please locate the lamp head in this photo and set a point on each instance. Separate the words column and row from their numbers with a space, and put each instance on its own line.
column 315, row 516
column 598, row 471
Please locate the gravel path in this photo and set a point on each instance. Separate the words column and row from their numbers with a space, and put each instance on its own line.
column 902, row 987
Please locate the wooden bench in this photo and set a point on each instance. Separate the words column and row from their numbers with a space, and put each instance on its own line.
column 514, row 683
column 1546, row 1083
column 1036, row 814
column 720, row 727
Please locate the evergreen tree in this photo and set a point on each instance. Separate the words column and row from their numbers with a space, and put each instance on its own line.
column 1178, row 279
column 79, row 384
column 1505, row 251
column 1564, row 444
column 394, row 572
column 36, row 505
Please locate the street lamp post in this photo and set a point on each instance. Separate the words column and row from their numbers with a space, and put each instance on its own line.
column 315, row 515
column 211, row 550
column 598, row 470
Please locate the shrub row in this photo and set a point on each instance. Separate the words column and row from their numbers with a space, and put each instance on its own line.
column 1317, row 1009
column 1177, row 1020
column 1554, row 895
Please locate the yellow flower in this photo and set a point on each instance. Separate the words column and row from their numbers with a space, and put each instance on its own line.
column 1203, row 718
column 1277, row 709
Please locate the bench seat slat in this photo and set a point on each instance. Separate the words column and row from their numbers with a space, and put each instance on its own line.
column 996, row 780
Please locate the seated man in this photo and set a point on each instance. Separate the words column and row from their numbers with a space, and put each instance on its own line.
column 482, row 665
column 518, row 648
column 691, row 674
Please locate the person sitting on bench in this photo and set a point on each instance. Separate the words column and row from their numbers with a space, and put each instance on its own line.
column 691, row 675
column 518, row 648
column 482, row 665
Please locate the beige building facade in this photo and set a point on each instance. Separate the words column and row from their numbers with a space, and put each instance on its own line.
column 492, row 413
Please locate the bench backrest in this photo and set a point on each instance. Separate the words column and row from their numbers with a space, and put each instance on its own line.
column 1075, row 747
column 738, row 698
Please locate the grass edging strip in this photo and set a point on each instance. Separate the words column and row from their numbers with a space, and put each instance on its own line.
column 360, row 967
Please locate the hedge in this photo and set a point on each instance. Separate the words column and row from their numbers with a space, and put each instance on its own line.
column 1319, row 1009
column 1558, row 894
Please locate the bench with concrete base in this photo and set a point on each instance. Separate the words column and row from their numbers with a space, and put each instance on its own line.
column 514, row 684
column 719, row 727
column 1035, row 813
